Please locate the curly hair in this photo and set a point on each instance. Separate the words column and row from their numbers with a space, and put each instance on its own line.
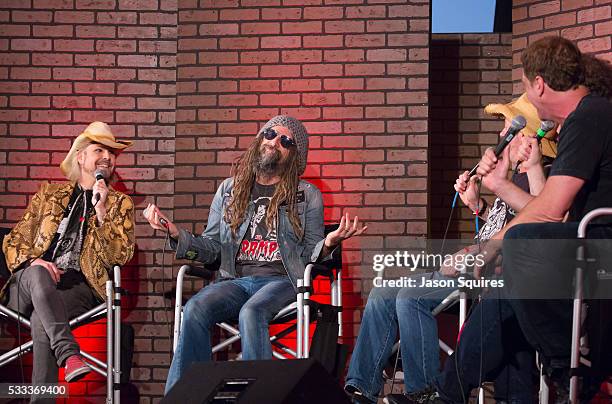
column 557, row 60
column 598, row 76
column 286, row 191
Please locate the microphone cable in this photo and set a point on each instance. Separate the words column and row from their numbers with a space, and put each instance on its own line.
column 163, row 277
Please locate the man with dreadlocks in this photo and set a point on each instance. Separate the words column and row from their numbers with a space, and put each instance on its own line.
column 265, row 225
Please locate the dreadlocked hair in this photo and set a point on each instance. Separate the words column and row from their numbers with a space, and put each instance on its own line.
column 286, row 191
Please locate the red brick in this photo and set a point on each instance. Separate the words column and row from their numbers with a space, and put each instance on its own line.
column 138, row 4
column 301, row 85
column 14, row 30
column 50, row 116
column 95, row 31
column 30, row 101
column 323, row 41
column 135, row 116
column 237, row 100
column 250, row 28
column 97, row 60
column 76, row 73
column 31, row 16
column 73, row 45
column 595, row 45
column 117, row 18
column 137, row 60
column 257, row 114
column 157, row 75
column 14, row 59
column 343, row 84
column 158, row 18
column 386, row 55
column 322, row 70
column 408, row 40
column 540, row 9
column 258, row 57
column 51, row 87
column 387, row 26
column 595, row 14
column 365, row 41
column 238, row 71
column 574, row 4
column 560, row 20
column 279, row 99
column 579, row 32
column 366, row 127
column 17, row 87
column 322, row 99
column 157, row 103
column 217, row 58
column 370, row 69
column 95, row 4
column 301, row 56
column 244, row 14
column 280, row 71
column 31, row 73
column 239, row 43
column 115, row 74
column 344, row 26
column 366, row 12
column 52, row 59
column 211, row 114
column 137, row 32
column 116, row 46
column 258, row 85
column 284, row 13
column 385, row 83
column 31, row 44
column 72, row 102
column 83, row 17
column 604, row 28
column 281, row 42
column 345, row 55
column 53, row 30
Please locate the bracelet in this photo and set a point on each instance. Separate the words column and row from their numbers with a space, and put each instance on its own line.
column 479, row 210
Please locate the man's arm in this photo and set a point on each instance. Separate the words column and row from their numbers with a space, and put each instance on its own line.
column 115, row 236
column 551, row 205
column 18, row 244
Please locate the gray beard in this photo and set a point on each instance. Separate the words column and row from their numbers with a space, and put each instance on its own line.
column 268, row 164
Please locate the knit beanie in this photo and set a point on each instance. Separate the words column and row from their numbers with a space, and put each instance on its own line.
column 300, row 136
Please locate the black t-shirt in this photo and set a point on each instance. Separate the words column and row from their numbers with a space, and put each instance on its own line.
column 585, row 151
column 259, row 254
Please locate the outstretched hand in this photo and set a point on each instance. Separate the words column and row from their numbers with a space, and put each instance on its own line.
column 345, row 230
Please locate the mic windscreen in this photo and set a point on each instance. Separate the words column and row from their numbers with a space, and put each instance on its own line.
column 518, row 123
column 546, row 126
column 100, row 175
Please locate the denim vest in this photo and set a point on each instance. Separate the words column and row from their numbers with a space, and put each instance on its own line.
column 217, row 239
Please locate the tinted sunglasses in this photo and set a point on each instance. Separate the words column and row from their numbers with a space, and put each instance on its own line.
column 285, row 141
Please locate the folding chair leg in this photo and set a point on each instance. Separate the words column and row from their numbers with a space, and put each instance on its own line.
column 117, row 336
column 109, row 341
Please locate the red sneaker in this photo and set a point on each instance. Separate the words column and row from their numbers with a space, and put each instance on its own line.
column 75, row 368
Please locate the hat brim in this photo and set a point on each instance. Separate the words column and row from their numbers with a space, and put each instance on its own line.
column 88, row 138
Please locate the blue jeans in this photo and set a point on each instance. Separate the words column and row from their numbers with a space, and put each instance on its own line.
column 254, row 300
column 387, row 311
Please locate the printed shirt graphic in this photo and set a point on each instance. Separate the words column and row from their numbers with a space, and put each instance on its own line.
column 259, row 254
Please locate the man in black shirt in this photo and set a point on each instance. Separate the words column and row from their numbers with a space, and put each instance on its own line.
column 538, row 278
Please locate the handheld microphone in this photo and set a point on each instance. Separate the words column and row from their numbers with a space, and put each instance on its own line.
column 164, row 222
column 517, row 124
column 100, row 175
column 545, row 127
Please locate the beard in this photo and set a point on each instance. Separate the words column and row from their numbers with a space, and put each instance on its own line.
column 268, row 161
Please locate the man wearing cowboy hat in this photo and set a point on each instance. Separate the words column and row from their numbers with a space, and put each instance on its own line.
column 265, row 225
column 406, row 312
column 60, row 251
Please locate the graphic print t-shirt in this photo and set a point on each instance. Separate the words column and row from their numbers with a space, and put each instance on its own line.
column 259, row 254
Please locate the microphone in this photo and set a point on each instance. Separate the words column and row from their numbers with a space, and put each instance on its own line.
column 164, row 222
column 545, row 127
column 517, row 124
column 100, row 175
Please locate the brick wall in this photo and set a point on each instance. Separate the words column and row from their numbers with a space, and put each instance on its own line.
column 468, row 71
column 63, row 64
column 587, row 22
column 355, row 75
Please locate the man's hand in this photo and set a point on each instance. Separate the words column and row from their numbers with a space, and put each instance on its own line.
column 490, row 251
column 468, row 190
column 494, row 171
column 100, row 188
column 53, row 270
column 154, row 217
column 529, row 152
column 344, row 231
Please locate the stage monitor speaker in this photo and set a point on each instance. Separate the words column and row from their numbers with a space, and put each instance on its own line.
column 293, row 381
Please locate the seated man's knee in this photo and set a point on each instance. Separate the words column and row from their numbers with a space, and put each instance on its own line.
column 196, row 312
column 36, row 275
column 251, row 315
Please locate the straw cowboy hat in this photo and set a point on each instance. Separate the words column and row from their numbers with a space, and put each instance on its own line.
column 522, row 106
column 96, row 132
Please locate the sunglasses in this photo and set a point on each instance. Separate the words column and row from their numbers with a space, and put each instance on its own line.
column 285, row 141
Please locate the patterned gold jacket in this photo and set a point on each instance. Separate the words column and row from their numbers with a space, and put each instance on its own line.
column 111, row 243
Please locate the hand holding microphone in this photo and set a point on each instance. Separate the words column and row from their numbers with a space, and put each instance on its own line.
column 100, row 190
column 158, row 221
